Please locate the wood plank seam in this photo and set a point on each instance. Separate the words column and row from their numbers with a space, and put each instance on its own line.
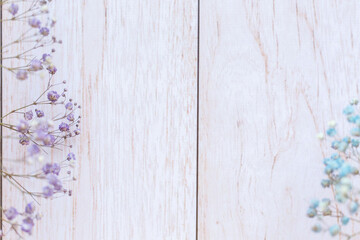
column 197, row 120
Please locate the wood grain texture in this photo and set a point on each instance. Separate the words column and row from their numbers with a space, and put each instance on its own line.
column 271, row 74
column 132, row 67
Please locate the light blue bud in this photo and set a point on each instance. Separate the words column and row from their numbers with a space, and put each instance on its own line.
column 334, row 230
column 311, row 212
column 331, row 132
column 348, row 110
column 353, row 207
column 325, row 183
column 355, row 132
column 345, row 220
column 355, row 142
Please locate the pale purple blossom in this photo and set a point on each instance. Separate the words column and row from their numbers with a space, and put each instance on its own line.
column 39, row 113
column 54, row 181
column 35, row 65
column 70, row 117
column 30, row 208
column 69, row 106
column 13, row 9
column 53, row 96
column 22, row 74
column 23, row 126
column 71, row 156
column 47, row 191
column 63, row 127
column 11, row 213
column 24, row 140
column 34, row 22
column 44, row 31
column 28, row 115
column 49, row 140
column 27, row 225
column 52, row 69
column 33, row 149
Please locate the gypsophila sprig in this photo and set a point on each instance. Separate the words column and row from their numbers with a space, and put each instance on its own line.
column 35, row 14
column 50, row 122
column 341, row 171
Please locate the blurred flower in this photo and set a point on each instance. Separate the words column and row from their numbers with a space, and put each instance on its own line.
column 22, row 74
column 13, row 9
column 53, row 96
column 34, row 22
column 27, row 225
column 11, row 213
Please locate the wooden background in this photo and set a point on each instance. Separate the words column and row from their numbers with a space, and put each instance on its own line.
column 198, row 118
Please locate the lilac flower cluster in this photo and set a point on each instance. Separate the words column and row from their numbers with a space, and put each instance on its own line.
column 38, row 36
column 48, row 123
column 28, row 218
column 341, row 170
column 37, row 130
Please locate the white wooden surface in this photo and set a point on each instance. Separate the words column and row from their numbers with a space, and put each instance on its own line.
column 271, row 74
column 132, row 66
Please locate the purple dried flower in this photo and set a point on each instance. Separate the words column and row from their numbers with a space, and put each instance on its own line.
column 77, row 131
column 44, row 31
column 47, row 168
column 70, row 117
column 23, row 126
column 33, row 150
column 53, row 96
column 39, row 113
column 55, row 168
column 71, row 156
column 63, row 127
column 51, row 168
column 11, row 213
column 24, row 140
column 22, row 74
column 13, row 9
column 27, row 225
column 34, row 22
column 28, row 115
column 30, row 208
column 35, row 65
column 47, row 191
column 49, row 140
column 52, row 69
column 69, row 106
column 54, row 181
column 45, row 57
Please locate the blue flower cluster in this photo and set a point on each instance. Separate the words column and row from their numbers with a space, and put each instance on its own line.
column 340, row 169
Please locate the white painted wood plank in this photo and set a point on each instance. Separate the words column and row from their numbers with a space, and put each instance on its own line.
column 271, row 74
column 132, row 66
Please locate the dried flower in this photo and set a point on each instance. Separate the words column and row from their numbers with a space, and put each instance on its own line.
column 39, row 113
column 34, row 22
column 35, row 65
column 27, row 225
column 30, row 208
column 28, row 115
column 22, row 74
column 69, row 106
column 44, row 31
column 63, row 127
column 11, row 213
column 13, row 9
column 47, row 191
column 53, row 96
